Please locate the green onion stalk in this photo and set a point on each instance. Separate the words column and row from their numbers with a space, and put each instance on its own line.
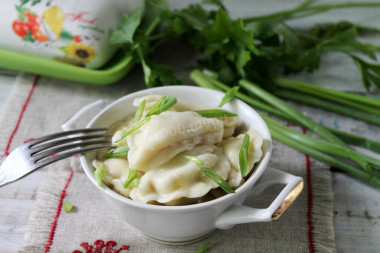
column 295, row 114
column 327, row 147
column 372, row 177
column 206, row 81
column 328, row 106
column 304, row 10
column 314, row 147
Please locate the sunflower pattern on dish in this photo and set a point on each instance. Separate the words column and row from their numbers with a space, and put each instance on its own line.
column 80, row 51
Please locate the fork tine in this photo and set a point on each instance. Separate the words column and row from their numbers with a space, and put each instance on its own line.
column 44, row 146
column 58, row 149
column 65, row 133
column 68, row 154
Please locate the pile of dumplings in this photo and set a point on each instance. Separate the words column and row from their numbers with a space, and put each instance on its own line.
column 157, row 152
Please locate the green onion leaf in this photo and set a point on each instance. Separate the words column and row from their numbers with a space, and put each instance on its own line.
column 214, row 113
column 117, row 152
column 230, row 95
column 195, row 159
column 243, row 156
column 67, row 206
column 99, row 174
column 131, row 176
column 218, row 179
column 133, row 128
column 203, row 248
column 162, row 105
column 139, row 111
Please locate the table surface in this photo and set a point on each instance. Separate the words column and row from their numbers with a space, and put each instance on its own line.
column 356, row 205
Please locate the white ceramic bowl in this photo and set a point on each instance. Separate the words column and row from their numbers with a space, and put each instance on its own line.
column 185, row 224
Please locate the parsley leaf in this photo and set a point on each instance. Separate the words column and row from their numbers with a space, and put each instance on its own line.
column 128, row 28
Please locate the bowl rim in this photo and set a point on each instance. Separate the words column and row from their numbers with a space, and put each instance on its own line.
column 87, row 167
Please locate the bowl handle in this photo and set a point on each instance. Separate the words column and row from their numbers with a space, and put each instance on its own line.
column 243, row 214
column 73, row 121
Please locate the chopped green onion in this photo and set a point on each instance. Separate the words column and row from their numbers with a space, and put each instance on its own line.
column 117, row 152
column 243, row 156
column 230, row 95
column 218, row 179
column 195, row 159
column 135, row 182
column 203, row 248
column 139, row 111
column 214, row 113
column 133, row 128
column 154, row 108
column 131, row 176
column 99, row 174
column 165, row 105
column 67, row 206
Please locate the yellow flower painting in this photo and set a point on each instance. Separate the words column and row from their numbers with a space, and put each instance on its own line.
column 79, row 51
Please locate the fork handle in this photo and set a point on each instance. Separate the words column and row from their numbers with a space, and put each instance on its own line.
column 73, row 121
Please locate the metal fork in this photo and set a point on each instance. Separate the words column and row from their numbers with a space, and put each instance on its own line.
column 40, row 152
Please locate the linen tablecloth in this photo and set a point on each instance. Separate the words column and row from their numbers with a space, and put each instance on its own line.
column 39, row 106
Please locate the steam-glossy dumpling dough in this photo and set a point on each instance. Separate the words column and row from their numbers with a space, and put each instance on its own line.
column 180, row 178
column 115, row 173
column 169, row 134
column 231, row 148
column 229, row 123
column 156, row 153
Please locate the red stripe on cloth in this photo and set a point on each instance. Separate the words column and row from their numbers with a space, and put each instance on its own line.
column 310, row 227
column 23, row 108
column 58, row 212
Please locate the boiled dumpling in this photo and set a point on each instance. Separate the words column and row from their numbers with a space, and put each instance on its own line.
column 157, row 151
column 115, row 173
column 180, row 178
column 229, row 123
column 168, row 134
column 231, row 148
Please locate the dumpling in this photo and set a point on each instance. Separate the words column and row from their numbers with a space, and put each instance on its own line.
column 231, row 148
column 229, row 123
column 118, row 128
column 168, row 134
column 180, row 178
column 115, row 174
